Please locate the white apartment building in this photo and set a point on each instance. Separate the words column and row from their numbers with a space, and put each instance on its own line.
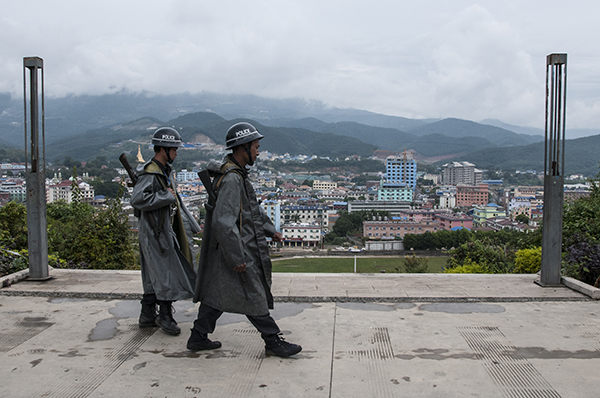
column 448, row 200
column 63, row 191
column 17, row 190
column 462, row 173
column 394, row 207
column 319, row 185
column 295, row 235
column 267, row 182
column 305, row 215
column 185, row 175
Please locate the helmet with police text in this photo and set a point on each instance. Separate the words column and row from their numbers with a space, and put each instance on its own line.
column 166, row 137
column 241, row 133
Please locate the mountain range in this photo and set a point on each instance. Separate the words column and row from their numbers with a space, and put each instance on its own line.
column 78, row 126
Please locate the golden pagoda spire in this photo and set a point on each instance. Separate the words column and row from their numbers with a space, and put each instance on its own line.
column 140, row 159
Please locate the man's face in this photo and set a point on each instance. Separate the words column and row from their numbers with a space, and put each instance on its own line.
column 254, row 150
column 172, row 153
column 254, row 145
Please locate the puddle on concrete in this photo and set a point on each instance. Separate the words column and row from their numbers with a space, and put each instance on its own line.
column 543, row 353
column 282, row 310
column 438, row 354
column 66, row 300
column 463, row 308
column 71, row 354
column 184, row 311
column 404, row 306
column 105, row 329
column 126, row 309
column 376, row 306
column 35, row 322
column 366, row 306
column 287, row 310
column 139, row 366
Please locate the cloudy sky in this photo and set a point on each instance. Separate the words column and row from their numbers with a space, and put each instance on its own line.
column 417, row 59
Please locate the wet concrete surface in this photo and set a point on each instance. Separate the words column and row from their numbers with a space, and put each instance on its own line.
column 534, row 343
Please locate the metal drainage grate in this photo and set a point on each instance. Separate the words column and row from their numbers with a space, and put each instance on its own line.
column 247, row 362
column 20, row 334
column 82, row 387
column 374, row 362
column 510, row 371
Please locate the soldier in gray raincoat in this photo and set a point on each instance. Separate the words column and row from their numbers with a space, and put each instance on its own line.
column 235, row 274
column 165, row 235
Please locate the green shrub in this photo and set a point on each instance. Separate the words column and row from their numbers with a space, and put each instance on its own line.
column 528, row 261
column 415, row 265
column 493, row 257
column 13, row 226
column 468, row 267
column 11, row 261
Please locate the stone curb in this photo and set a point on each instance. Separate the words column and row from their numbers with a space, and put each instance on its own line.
column 307, row 299
column 8, row 280
column 581, row 287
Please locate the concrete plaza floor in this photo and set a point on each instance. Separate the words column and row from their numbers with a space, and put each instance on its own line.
column 363, row 335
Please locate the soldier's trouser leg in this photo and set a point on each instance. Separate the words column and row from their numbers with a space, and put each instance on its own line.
column 206, row 321
column 265, row 324
column 204, row 324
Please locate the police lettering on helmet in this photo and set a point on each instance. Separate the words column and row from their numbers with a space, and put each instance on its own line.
column 166, row 138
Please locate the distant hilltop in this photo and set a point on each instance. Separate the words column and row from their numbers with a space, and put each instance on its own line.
column 77, row 126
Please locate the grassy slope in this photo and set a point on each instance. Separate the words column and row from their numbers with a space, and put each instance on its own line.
column 363, row 264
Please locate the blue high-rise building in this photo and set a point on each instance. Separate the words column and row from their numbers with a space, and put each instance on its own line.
column 402, row 169
column 401, row 178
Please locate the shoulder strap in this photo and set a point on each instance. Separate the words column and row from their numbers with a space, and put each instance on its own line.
column 220, row 180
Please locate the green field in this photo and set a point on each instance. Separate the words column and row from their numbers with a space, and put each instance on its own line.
column 363, row 264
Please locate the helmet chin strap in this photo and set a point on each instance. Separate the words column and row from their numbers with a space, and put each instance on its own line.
column 247, row 149
column 168, row 153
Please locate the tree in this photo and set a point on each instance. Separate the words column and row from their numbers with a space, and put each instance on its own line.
column 581, row 236
column 13, row 226
column 522, row 218
column 343, row 226
column 108, row 189
column 86, row 238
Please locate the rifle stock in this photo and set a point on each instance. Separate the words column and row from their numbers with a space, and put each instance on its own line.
column 132, row 176
column 209, row 206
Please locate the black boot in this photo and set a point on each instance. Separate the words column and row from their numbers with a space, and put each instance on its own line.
column 199, row 342
column 277, row 346
column 148, row 313
column 165, row 319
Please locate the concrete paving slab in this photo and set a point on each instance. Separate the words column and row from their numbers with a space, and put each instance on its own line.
column 363, row 336
column 57, row 347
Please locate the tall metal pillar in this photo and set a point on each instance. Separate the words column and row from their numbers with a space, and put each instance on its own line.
column 35, row 170
column 554, row 168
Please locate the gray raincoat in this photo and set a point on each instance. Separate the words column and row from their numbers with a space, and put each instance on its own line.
column 165, row 251
column 237, row 236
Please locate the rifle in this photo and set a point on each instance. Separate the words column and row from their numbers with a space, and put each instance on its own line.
column 132, row 176
column 209, row 206
column 136, row 212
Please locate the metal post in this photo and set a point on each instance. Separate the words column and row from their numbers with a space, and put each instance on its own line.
column 554, row 168
column 35, row 170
